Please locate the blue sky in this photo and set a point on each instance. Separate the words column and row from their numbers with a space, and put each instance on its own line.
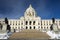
column 46, row 9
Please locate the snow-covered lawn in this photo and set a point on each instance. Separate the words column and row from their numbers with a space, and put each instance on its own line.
column 53, row 35
column 5, row 35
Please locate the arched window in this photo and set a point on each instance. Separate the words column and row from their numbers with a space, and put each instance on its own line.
column 26, row 22
column 38, row 23
column 38, row 27
column 30, row 23
column 10, row 22
column 26, row 27
column 16, row 22
column 41, row 22
column 30, row 27
column 33, row 22
column 19, row 23
column 47, row 27
column 16, row 28
column 34, row 27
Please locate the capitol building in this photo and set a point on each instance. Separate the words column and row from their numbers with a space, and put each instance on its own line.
column 30, row 21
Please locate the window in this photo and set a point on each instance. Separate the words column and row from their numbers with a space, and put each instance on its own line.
column 44, row 22
column 30, row 23
column 41, row 22
column 10, row 22
column 34, row 27
column 47, row 22
column 21, row 23
column 38, row 27
column 30, row 27
column 16, row 27
column 26, row 27
column 13, row 23
column 38, row 23
column 12, row 27
column 33, row 22
column 26, row 22
column 16, row 23
column 47, row 27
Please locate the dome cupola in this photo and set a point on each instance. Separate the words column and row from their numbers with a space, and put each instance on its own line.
column 30, row 11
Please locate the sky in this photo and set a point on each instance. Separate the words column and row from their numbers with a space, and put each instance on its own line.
column 46, row 9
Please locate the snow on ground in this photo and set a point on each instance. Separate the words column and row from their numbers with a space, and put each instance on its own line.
column 53, row 35
column 5, row 35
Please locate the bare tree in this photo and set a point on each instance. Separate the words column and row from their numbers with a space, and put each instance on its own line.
column 53, row 21
column 8, row 26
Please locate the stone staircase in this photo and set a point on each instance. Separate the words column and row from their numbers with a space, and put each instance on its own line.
column 29, row 34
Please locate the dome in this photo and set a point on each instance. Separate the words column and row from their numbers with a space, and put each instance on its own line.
column 30, row 11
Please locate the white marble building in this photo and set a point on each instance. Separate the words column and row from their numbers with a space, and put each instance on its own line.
column 30, row 20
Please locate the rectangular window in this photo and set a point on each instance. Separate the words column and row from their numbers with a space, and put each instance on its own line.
column 19, row 22
column 16, row 22
column 41, row 22
column 44, row 22
column 10, row 22
column 38, row 23
column 47, row 22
